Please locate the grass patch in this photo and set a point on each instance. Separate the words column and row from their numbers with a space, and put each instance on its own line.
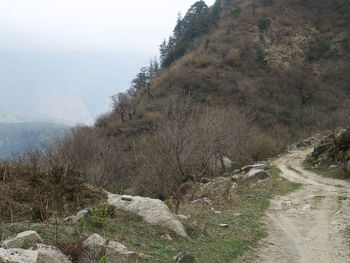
column 342, row 198
column 337, row 173
column 208, row 242
column 294, row 170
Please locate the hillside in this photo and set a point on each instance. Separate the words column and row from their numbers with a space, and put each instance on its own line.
column 285, row 62
column 21, row 137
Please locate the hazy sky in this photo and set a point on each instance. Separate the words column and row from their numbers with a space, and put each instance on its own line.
column 88, row 25
column 62, row 59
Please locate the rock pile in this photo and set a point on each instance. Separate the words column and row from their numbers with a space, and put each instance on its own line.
column 27, row 247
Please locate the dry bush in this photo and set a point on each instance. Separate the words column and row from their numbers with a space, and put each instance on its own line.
column 33, row 189
column 101, row 160
column 187, row 144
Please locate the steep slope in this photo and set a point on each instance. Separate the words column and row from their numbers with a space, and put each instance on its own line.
column 286, row 62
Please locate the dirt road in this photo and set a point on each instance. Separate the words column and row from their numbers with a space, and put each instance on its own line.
column 307, row 226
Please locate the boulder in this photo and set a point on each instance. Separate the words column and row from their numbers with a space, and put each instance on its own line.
column 322, row 148
column 78, row 216
column 50, row 254
column 18, row 255
column 255, row 175
column 25, row 240
column 96, row 247
column 153, row 211
column 184, row 257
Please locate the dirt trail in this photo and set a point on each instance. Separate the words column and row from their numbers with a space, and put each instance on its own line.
column 307, row 226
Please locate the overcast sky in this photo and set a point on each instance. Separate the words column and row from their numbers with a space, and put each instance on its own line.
column 88, row 25
column 62, row 59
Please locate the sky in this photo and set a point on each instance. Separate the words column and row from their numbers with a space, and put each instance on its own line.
column 62, row 59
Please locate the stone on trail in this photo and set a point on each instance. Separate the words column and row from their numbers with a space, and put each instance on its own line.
column 153, row 211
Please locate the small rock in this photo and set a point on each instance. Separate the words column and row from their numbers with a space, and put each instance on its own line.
column 126, row 197
column 167, row 237
column 25, row 240
column 237, row 214
column 223, row 225
column 236, row 171
column 184, row 257
column 217, row 212
column 205, row 180
column 182, row 217
column 77, row 217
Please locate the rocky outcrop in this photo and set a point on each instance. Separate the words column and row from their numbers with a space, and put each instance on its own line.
column 332, row 152
column 25, row 240
column 96, row 247
column 26, row 247
column 153, row 211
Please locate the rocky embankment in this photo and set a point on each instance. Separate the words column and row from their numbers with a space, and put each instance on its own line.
column 332, row 152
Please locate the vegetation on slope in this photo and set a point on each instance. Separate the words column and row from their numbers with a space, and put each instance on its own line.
column 209, row 242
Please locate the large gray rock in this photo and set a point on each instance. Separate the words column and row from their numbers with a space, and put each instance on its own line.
column 50, row 254
column 184, row 257
column 77, row 217
column 18, row 255
column 153, row 211
column 96, row 247
column 255, row 175
column 25, row 240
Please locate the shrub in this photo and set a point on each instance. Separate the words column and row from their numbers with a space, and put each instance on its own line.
column 260, row 57
column 264, row 22
column 318, row 49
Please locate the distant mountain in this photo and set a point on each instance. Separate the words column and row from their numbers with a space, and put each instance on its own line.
column 22, row 136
